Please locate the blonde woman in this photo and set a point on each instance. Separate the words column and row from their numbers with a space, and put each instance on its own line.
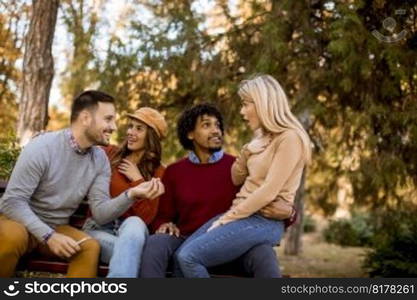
column 269, row 169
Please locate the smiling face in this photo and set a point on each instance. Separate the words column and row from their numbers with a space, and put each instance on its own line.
column 249, row 114
column 101, row 124
column 207, row 135
column 136, row 135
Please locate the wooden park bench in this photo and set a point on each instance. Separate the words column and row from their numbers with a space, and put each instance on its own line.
column 36, row 263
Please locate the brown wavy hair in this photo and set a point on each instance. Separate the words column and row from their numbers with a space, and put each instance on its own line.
column 151, row 158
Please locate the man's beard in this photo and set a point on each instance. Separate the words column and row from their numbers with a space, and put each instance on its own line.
column 214, row 149
column 95, row 138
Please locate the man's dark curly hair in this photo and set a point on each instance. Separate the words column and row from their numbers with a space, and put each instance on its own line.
column 188, row 119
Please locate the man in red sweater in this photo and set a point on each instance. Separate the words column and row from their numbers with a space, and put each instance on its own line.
column 198, row 188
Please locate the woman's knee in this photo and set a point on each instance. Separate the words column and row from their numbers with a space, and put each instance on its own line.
column 184, row 255
column 134, row 226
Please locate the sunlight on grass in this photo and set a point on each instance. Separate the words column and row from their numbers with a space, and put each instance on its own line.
column 320, row 259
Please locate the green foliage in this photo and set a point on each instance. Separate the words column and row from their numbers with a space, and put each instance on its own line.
column 394, row 254
column 320, row 49
column 80, row 18
column 357, row 231
column 9, row 151
column 12, row 19
column 357, row 92
column 309, row 224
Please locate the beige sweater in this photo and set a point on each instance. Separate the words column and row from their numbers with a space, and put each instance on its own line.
column 271, row 170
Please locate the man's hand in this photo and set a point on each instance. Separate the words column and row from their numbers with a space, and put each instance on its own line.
column 130, row 170
column 147, row 190
column 268, row 211
column 277, row 210
column 62, row 245
column 169, row 228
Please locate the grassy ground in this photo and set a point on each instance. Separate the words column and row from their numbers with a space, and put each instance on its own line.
column 320, row 259
column 27, row 274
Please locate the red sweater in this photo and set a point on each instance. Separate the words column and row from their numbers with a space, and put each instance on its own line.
column 194, row 193
column 144, row 208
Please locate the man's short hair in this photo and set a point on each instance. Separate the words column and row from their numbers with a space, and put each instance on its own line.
column 188, row 119
column 88, row 100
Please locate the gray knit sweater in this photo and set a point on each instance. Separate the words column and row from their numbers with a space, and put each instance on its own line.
column 50, row 180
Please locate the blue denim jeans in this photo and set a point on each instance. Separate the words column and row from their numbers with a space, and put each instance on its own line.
column 225, row 243
column 121, row 245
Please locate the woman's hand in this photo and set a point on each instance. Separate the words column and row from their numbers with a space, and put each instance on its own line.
column 130, row 170
column 147, row 190
column 259, row 142
column 245, row 153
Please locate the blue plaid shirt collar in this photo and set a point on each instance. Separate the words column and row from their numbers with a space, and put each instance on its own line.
column 215, row 157
column 74, row 145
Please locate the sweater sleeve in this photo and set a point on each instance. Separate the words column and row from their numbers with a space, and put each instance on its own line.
column 240, row 168
column 166, row 211
column 103, row 208
column 287, row 156
column 25, row 178
column 146, row 208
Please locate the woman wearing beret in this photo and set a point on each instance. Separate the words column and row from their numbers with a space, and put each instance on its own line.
column 137, row 161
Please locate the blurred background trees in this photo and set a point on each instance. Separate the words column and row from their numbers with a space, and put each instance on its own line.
column 354, row 92
column 13, row 20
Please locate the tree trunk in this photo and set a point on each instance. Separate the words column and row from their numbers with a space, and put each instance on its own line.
column 293, row 243
column 38, row 69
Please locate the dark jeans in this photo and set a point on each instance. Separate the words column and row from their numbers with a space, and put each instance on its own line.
column 157, row 257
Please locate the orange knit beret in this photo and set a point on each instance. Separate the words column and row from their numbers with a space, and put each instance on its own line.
column 153, row 119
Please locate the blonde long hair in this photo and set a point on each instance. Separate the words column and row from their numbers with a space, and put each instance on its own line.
column 272, row 107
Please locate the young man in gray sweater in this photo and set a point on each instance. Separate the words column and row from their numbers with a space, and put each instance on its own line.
column 52, row 176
